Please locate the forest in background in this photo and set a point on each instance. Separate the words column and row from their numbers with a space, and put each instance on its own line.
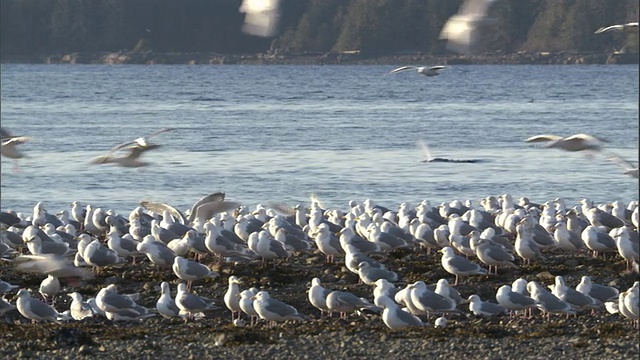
column 374, row 27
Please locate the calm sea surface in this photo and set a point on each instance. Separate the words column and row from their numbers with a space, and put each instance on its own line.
column 281, row 133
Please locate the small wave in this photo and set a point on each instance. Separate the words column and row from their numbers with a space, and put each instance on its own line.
column 206, row 99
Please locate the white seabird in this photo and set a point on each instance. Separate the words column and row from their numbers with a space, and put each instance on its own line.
column 166, row 305
column 459, row 266
column 631, row 26
column 261, row 17
column 318, row 296
column 512, row 300
column 191, row 304
column 232, row 297
column 34, row 309
column 629, row 169
column 345, row 302
column 79, row 309
column 396, row 318
column 422, row 70
column 5, row 287
column 578, row 142
column 462, row 30
column 190, row 270
column 484, row 308
column 246, row 305
column 369, row 274
column 273, row 310
column 49, row 288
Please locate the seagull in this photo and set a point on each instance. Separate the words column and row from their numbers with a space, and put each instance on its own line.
column 578, row 142
column 261, row 17
column 459, row 266
column 462, row 29
column 232, row 297
column 274, row 310
column 9, row 143
column 512, row 300
column 136, row 148
column 369, row 274
column 190, row 270
column 119, row 307
column 632, row 26
column 49, row 288
column 78, row 308
column 35, row 309
column 628, row 168
column 396, row 318
column 318, row 296
column 191, row 304
column 346, row 302
column 422, row 70
column 165, row 305
column 547, row 302
column 246, row 305
column 6, row 287
column 484, row 308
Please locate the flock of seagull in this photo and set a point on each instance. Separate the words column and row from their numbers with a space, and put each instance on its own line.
column 474, row 242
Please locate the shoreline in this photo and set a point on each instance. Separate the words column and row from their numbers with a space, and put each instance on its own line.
column 345, row 58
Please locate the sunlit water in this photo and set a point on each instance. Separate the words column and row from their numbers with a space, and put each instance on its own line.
column 280, row 133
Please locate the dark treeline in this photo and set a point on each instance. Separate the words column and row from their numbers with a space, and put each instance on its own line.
column 307, row 26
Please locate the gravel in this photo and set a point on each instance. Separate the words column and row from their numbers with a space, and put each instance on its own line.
column 597, row 335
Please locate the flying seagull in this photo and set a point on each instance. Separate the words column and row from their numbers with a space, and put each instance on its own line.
column 135, row 149
column 422, row 70
column 578, row 142
column 261, row 17
column 632, row 26
column 462, row 29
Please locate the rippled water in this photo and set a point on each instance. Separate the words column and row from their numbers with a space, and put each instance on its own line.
column 280, row 133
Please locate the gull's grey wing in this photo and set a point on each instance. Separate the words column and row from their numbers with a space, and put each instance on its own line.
column 197, row 269
column 118, row 301
column 463, row 265
column 215, row 197
column 41, row 309
column 208, row 210
column 159, row 132
column 283, row 209
column 407, row 318
column 193, row 302
column 280, row 308
column 159, row 208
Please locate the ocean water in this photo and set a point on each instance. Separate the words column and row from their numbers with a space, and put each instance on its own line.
column 281, row 133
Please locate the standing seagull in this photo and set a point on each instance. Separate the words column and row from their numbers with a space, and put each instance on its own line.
column 422, row 70
column 165, row 305
column 35, row 309
column 190, row 270
column 396, row 318
column 318, row 296
column 232, row 297
column 462, row 29
column 459, row 266
column 274, row 310
column 191, row 304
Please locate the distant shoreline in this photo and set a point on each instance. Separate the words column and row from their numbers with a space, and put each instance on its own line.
column 345, row 58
